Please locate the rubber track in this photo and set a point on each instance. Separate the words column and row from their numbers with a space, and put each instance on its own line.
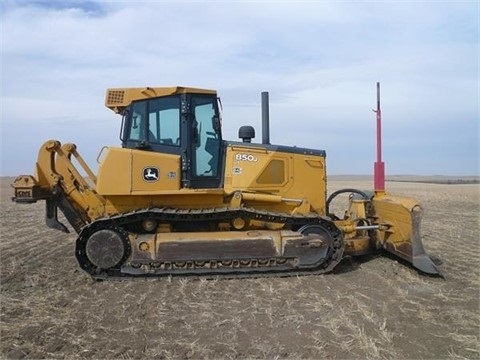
column 214, row 215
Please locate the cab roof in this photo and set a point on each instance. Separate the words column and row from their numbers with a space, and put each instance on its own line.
column 118, row 99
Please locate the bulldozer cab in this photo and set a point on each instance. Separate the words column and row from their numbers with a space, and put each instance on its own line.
column 185, row 124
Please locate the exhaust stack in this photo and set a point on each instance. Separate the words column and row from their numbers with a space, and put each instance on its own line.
column 265, row 119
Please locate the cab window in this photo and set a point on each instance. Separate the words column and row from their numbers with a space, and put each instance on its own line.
column 156, row 121
column 137, row 123
column 164, row 121
column 207, row 136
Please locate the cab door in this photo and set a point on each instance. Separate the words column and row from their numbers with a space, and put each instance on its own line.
column 205, row 146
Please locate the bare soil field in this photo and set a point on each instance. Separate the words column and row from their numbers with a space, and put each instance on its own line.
column 375, row 307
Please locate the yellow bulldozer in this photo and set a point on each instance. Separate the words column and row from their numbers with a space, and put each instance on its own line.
column 176, row 198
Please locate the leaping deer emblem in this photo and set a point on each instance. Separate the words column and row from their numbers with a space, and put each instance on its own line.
column 150, row 174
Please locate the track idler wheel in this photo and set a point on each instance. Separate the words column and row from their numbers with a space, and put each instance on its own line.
column 103, row 249
column 322, row 247
column 320, row 239
column 318, row 231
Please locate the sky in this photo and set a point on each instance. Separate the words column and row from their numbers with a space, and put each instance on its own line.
column 319, row 61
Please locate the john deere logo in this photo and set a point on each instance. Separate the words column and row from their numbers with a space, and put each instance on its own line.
column 151, row 174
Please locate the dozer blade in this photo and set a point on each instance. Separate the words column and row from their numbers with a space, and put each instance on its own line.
column 399, row 233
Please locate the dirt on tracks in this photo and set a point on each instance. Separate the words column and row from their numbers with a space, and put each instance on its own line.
column 372, row 307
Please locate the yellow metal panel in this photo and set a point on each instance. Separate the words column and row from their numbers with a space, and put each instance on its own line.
column 167, row 166
column 121, row 172
column 274, row 173
column 310, row 180
column 114, row 172
column 251, row 168
column 288, row 175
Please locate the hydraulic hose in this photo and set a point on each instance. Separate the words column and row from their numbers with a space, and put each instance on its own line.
column 336, row 193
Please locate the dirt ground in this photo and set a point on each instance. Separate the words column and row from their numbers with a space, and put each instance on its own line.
column 368, row 308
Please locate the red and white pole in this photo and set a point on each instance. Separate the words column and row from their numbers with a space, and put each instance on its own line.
column 379, row 166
